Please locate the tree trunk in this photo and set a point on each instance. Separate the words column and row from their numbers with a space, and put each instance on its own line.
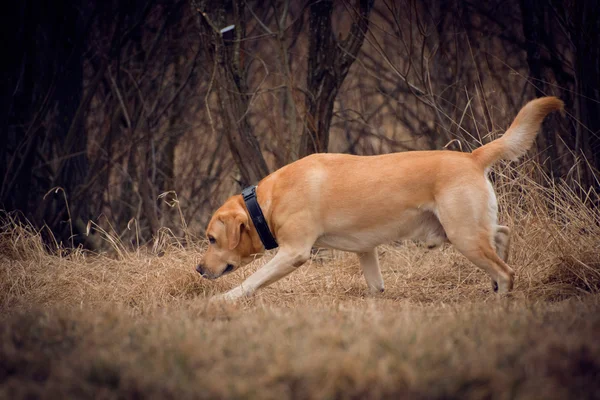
column 533, row 22
column 329, row 61
column 587, row 78
column 579, row 27
column 43, row 92
column 232, row 88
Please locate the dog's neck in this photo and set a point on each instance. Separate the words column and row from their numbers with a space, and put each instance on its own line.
column 257, row 243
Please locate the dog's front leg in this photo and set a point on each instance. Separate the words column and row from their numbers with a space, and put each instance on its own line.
column 285, row 261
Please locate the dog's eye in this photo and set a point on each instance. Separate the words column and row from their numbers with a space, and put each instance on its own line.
column 212, row 240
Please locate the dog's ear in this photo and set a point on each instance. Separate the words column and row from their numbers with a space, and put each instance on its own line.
column 234, row 227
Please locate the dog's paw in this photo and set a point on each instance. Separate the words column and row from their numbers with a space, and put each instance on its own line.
column 230, row 296
column 221, row 298
column 376, row 291
column 224, row 298
column 501, row 289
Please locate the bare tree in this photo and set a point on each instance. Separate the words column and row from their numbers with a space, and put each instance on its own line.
column 329, row 60
column 120, row 103
column 232, row 88
column 563, row 55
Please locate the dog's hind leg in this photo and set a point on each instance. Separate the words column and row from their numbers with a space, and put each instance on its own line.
column 470, row 226
column 502, row 241
column 478, row 249
column 370, row 267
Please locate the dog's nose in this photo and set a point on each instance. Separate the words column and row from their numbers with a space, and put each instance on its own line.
column 200, row 269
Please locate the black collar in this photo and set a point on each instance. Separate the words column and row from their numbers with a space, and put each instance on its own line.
column 260, row 223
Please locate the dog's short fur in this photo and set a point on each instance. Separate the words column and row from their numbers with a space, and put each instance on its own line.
column 355, row 203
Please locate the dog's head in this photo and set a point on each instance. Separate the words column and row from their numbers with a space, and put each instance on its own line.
column 230, row 241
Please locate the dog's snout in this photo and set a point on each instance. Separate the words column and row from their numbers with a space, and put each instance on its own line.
column 200, row 269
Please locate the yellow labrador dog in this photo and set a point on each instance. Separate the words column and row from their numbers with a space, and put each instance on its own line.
column 355, row 203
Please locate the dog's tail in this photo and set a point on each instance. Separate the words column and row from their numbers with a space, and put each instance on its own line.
column 520, row 136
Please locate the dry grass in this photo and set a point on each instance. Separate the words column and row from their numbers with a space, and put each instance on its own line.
column 138, row 324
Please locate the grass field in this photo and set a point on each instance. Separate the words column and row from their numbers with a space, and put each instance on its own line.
column 139, row 324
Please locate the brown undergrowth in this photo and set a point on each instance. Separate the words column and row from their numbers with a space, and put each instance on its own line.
column 139, row 324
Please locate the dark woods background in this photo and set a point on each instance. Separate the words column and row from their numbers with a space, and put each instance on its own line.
column 141, row 117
